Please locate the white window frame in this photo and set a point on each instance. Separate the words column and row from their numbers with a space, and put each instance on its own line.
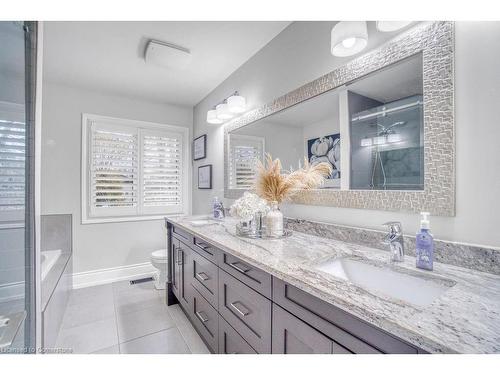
column 90, row 217
column 240, row 137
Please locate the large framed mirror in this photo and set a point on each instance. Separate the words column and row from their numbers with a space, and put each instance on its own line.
column 384, row 122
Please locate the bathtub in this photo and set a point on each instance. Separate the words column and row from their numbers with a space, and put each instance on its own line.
column 49, row 259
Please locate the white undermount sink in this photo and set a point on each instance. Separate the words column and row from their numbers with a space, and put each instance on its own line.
column 202, row 222
column 412, row 289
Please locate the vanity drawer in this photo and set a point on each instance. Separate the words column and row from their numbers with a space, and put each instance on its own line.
column 206, row 320
column 250, row 275
column 292, row 336
column 182, row 235
column 347, row 330
column 205, row 278
column 246, row 311
column 230, row 342
column 206, row 250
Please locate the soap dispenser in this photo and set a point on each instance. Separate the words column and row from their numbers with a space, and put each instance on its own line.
column 218, row 209
column 424, row 244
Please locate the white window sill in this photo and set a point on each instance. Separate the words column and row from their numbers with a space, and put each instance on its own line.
column 101, row 220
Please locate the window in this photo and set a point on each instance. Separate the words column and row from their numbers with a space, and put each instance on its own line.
column 244, row 152
column 132, row 169
column 12, row 163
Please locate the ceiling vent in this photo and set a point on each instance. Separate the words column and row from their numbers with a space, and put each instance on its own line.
column 167, row 55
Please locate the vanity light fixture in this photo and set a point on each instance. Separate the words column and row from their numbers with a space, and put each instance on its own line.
column 365, row 142
column 389, row 26
column 394, row 137
column 223, row 112
column 227, row 109
column 212, row 117
column 236, row 103
column 380, row 140
column 348, row 38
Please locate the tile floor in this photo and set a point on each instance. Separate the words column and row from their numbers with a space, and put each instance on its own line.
column 123, row 318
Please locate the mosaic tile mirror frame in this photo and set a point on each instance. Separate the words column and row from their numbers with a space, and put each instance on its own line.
column 435, row 42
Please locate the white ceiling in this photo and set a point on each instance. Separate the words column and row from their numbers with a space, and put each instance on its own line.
column 397, row 81
column 109, row 56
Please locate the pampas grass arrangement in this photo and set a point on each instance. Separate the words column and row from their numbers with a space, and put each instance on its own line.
column 275, row 186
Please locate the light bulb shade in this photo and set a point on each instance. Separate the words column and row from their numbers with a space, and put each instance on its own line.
column 395, row 137
column 223, row 112
column 349, row 38
column 380, row 140
column 388, row 26
column 365, row 142
column 212, row 117
column 236, row 104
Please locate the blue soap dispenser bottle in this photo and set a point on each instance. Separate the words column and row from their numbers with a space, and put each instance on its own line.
column 425, row 244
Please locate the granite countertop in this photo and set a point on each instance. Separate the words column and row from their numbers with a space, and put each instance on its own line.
column 465, row 319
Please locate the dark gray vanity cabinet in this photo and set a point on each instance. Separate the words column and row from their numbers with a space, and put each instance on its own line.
column 350, row 332
column 239, row 308
column 230, row 342
column 206, row 320
column 248, row 312
column 181, row 270
column 173, row 266
column 205, row 278
column 247, row 274
column 292, row 336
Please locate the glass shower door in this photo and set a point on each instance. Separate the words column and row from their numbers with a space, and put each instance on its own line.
column 17, row 286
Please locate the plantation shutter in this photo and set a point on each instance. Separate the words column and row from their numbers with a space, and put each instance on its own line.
column 161, row 177
column 244, row 152
column 114, row 170
column 12, row 169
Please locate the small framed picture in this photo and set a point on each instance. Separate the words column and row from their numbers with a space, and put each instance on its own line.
column 205, row 177
column 200, row 147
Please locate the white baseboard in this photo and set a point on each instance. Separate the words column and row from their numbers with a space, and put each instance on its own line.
column 110, row 275
column 12, row 291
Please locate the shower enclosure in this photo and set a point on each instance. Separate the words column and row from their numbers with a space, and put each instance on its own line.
column 387, row 146
column 17, row 251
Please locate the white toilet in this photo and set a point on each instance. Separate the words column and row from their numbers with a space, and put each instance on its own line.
column 159, row 260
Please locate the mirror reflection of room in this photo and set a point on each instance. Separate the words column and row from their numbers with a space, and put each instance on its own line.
column 375, row 121
column 386, row 128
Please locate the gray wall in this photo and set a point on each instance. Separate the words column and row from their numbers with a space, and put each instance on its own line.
column 95, row 246
column 301, row 53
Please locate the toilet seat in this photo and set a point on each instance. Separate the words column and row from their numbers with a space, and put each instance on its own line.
column 159, row 255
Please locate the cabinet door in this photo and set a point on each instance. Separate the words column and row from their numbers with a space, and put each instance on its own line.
column 174, row 256
column 206, row 320
column 292, row 336
column 205, row 278
column 184, row 275
column 248, row 312
column 230, row 342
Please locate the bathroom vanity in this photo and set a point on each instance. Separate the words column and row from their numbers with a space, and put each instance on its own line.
column 286, row 296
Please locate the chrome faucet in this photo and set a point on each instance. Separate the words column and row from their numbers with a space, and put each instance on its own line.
column 395, row 241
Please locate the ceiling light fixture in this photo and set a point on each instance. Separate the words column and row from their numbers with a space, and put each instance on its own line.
column 227, row 109
column 389, row 26
column 348, row 38
column 167, row 55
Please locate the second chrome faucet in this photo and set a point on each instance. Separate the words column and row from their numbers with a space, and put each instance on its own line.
column 395, row 241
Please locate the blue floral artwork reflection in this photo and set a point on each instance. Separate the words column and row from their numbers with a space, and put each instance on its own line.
column 326, row 149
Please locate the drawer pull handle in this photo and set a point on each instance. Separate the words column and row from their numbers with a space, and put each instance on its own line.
column 203, row 245
column 179, row 256
column 238, row 268
column 242, row 310
column 202, row 316
column 203, row 276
